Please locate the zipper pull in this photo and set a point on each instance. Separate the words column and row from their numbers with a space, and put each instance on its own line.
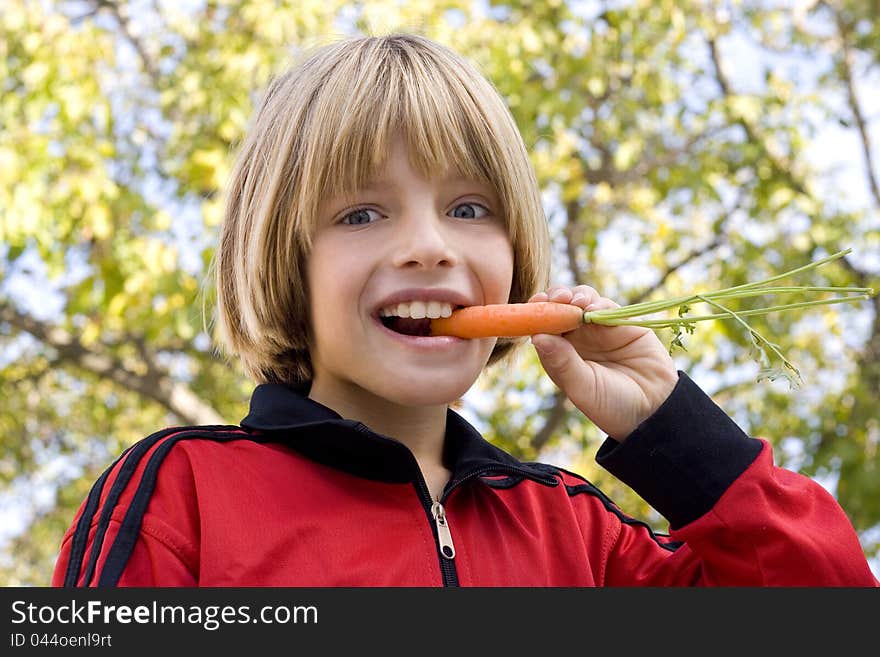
column 444, row 536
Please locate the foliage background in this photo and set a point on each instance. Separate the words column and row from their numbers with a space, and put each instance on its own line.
column 680, row 144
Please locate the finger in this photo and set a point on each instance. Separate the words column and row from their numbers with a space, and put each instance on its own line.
column 561, row 362
column 539, row 296
column 602, row 303
column 560, row 294
column 584, row 295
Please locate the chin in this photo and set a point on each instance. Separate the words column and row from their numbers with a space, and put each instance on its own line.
column 435, row 390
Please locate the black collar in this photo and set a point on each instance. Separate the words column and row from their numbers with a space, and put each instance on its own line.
column 318, row 432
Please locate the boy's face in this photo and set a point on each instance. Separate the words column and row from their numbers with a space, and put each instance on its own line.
column 439, row 243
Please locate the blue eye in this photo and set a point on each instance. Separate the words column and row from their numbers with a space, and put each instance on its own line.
column 469, row 211
column 360, row 216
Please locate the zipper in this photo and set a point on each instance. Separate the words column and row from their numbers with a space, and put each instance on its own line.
column 444, row 536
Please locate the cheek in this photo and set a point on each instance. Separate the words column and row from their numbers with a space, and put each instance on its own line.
column 336, row 276
column 331, row 269
column 324, row 290
column 496, row 266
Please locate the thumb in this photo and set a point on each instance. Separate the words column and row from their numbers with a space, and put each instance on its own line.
column 560, row 359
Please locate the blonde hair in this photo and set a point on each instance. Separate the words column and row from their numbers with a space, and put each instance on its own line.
column 323, row 129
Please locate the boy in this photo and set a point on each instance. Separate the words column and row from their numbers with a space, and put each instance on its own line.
column 383, row 183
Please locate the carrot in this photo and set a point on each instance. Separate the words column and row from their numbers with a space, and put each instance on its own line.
column 509, row 320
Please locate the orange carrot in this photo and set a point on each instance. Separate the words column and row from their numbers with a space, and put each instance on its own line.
column 508, row 320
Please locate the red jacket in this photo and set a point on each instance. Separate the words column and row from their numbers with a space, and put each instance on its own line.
column 298, row 496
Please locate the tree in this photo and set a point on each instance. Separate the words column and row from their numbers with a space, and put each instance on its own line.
column 667, row 165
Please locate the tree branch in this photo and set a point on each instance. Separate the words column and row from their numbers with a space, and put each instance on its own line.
column 125, row 25
column 555, row 413
column 671, row 269
column 716, row 241
column 668, row 157
column 156, row 384
column 572, row 240
column 781, row 168
column 846, row 60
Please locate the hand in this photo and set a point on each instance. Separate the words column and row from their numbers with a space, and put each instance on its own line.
column 615, row 375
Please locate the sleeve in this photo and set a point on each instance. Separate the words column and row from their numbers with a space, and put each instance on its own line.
column 736, row 519
column 139, row 525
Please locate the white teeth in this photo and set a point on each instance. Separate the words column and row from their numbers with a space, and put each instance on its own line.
column 418, row 310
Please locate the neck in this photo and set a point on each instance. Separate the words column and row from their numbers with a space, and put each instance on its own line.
column 421, row 428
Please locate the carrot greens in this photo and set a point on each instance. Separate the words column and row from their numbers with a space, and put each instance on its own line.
column 764, row 351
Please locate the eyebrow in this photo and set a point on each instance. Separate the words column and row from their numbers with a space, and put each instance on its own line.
column 373, row 185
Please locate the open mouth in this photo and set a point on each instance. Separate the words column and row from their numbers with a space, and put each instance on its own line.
column 408, row 325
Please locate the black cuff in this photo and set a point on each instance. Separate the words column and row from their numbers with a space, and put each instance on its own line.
column 682, row 458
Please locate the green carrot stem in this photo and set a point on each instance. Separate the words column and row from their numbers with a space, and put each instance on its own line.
column 792, row 272
column 647, row 307
column 607, row 318
column 637, row 310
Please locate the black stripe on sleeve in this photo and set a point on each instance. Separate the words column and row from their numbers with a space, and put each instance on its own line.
column 137, row 452
column 81, row 533
column 590, row 488
column 122, row 547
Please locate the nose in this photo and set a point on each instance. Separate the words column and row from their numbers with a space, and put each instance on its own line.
column 422, row 241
